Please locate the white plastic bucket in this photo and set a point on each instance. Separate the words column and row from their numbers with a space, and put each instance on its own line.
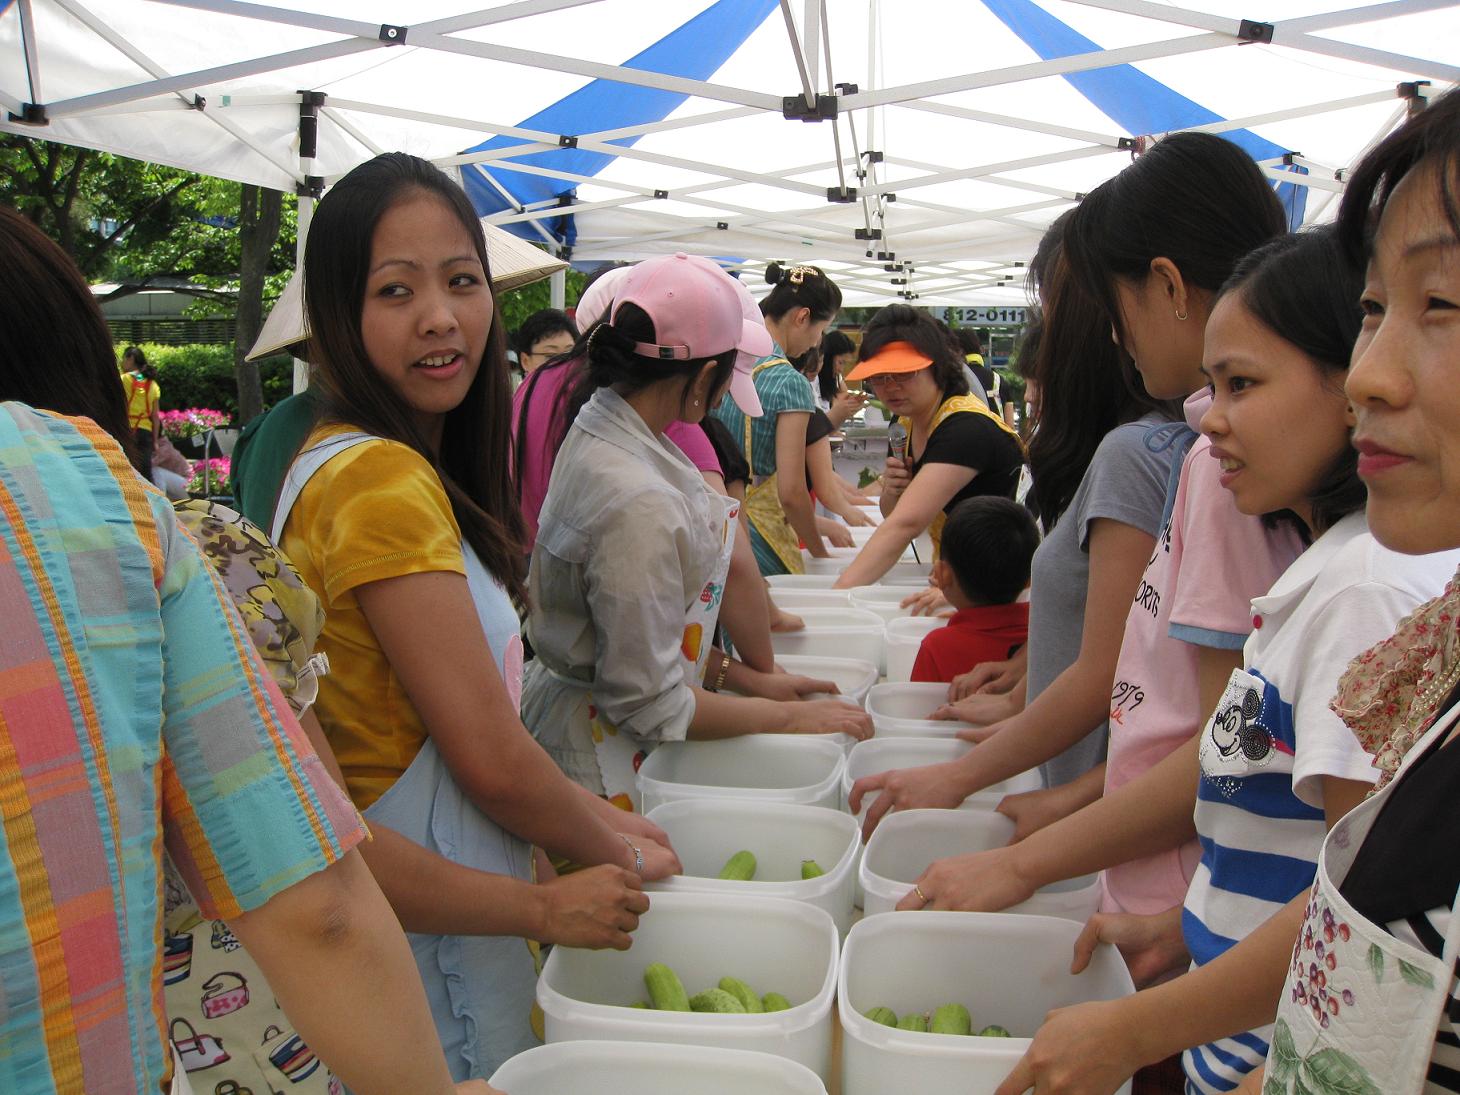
column 771, row 944
column 853, row 677
column 901, row 710
column 826, row 581
column 707, row 832
column 903, row 638
column 840, row 559
column 834, row 633
column 867, row 758
column 797, row 769
column 794, row 600
column 886, row 601
column 908, row 842
column 1007, row 970
column 637, row 1068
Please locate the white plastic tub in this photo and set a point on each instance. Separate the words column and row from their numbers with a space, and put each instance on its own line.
column 771, row 944
column 637, row 1068
column 707, row 832
column 796, row 769
column 908, row 842
column 886, row 601
column 827, row 580
column 840, row 558
column 902, row 639
column 901, row 710
column 793, row 600
column 1007, row 970
column 867, row 758
column 854, row 678
column 834, row 633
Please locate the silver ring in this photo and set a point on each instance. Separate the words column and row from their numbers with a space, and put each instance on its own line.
column 921, row 896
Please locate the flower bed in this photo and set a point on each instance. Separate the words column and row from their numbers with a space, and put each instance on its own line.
column 211, row 477
column 193, row 422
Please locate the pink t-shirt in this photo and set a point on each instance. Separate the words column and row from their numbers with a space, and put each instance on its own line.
column 540, row 439
column 1210, row 561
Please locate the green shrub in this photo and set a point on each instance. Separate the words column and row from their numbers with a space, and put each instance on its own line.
column 201, row 375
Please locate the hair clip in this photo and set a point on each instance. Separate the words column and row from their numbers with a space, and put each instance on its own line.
column 796, row 274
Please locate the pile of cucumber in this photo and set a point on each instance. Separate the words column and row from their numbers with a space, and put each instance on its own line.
column 730, row 997
column 948, row 1019
column 741, row 867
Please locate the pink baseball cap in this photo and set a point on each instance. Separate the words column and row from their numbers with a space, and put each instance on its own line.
column 698, row 311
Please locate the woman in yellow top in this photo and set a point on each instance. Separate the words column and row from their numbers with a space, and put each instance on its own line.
column 956, row 447
column 144, row 403
column 399, row 513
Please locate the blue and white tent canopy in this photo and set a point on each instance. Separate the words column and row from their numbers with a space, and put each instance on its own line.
column 625, row 128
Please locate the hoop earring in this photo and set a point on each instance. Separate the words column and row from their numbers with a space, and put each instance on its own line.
column 697, row 403
column 1182, row 315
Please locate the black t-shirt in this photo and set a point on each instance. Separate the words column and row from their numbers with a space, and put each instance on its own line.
column 1408, row 863
column 817, row 427
column 973, row 440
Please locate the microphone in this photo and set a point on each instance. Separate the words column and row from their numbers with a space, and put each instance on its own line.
column 897, row 441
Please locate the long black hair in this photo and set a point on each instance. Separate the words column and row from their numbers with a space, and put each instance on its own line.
column 472, row 463
column 1087, row 384
column 1193, row 198
column 1430, row 138
column 56, row 351
column 834, row 343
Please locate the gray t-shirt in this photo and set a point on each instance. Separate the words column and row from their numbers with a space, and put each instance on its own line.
column 1126, row 482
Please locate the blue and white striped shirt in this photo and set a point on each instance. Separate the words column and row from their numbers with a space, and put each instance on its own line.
column 1272, row 739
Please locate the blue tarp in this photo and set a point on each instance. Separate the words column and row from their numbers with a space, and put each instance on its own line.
column 1133, row 100
column 695, row 51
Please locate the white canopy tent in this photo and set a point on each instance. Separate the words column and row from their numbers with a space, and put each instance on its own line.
column 935, row 178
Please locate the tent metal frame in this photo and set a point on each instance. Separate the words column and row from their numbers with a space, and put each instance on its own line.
column 885, row 188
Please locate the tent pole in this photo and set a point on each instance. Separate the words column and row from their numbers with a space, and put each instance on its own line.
column 558, row 290
column 308, row 192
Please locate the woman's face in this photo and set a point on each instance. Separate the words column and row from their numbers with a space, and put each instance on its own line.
column 428, row 307
column 1404, row 382
column 799, row 332
column 1166, row 350
column 1278, row 420
column 910, row 394
column 844, row 362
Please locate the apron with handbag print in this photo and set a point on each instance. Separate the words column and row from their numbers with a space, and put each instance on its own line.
column 763, row 507
column 619, row 755
column 1360, row 1008
column 480, row 988
column 954, row 404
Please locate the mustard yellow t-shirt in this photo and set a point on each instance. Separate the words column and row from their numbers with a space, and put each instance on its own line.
column 375, row 511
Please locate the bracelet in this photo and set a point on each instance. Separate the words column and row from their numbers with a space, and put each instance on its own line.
column 638, row 855
column 724, row 672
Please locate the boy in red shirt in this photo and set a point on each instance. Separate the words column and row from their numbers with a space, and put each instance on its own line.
column 988, row 543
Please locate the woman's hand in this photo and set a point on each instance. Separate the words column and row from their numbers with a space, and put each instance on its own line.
column 925, row 602
column 932, row 786
column 979, row 710
column 1031, row 811
column 856, row 518
column 978, row 882
column 784, row 621
column 846, row 404
column 987, row 678
column 1088, row 1049
column 834, row 532
column 827, row 717
column 597, row 907
column 659, row 859
column 790, row 687
column 1152, row 946
column 895, row 477
column 636, row 826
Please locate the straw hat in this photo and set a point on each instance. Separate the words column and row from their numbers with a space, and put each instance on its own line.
column 514, row 263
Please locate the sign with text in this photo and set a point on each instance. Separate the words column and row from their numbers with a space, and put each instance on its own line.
column 986, row 317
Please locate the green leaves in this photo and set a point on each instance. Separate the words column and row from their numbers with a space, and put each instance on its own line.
column 1284, row 1056
column 1376, row 962
column 1415, row 976
column 1333, row 1072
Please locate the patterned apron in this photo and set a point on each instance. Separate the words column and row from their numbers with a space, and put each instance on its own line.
column 763, row 507
column 480, row 988
column 619, row 755
column 1360, row 1008
column 954, row 404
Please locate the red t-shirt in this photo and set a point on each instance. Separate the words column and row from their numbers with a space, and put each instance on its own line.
column 973, row 635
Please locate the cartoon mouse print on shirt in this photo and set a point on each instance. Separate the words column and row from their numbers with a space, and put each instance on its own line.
column 1246, row 733
column 1232, row 728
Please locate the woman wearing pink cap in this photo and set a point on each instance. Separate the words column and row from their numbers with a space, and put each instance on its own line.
column 632, row 547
